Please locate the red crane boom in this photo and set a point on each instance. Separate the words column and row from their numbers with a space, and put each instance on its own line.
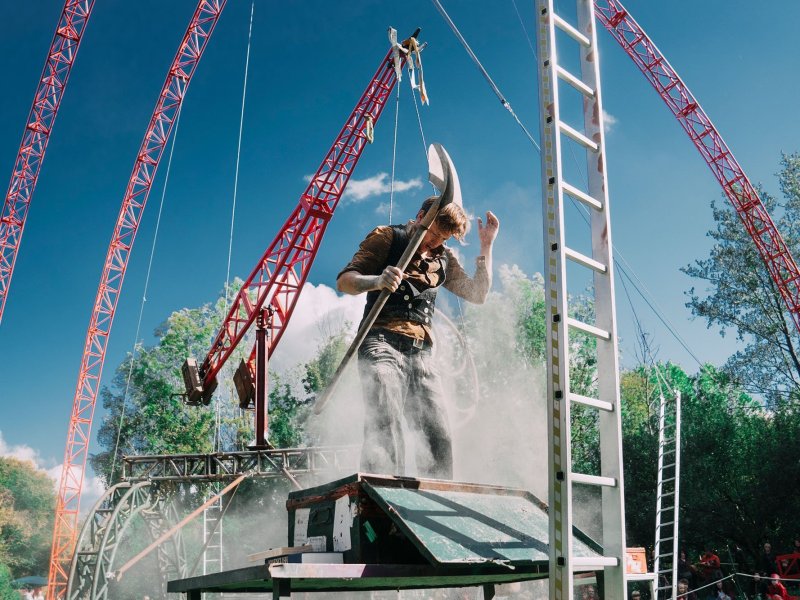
column 169, row 101
column 280, row 274
column 60, row 58
column 719, row 158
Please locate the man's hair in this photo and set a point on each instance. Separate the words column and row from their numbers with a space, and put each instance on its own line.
column 451, row 218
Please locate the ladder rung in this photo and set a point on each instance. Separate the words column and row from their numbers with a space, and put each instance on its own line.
column 585, row 400
column 593, row 480
column 669, row 466
column 590, row 329
column 668, row 479
column 584, row 260
column 582, row 196
column 577, row 136
column 571, row 31
column 592, row 562
column 574, row 81
column 664, row 525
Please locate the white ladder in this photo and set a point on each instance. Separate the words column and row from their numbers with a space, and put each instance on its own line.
column 667, row 494
column 563, row 563
column 212, row 535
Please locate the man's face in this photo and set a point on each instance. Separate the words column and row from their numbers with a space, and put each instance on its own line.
column 767, row 548
column 433, row 239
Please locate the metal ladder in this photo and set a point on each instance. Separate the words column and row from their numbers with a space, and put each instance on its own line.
column 667, row 495
column 563, row 562
column 212, row 536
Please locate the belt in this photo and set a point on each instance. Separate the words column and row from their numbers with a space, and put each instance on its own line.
column 400, row 342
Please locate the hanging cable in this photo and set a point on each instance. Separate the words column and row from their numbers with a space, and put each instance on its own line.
column 483, row 71
column 238, row 156
column 394, row 150
column 524, row 30
column 144, row 298
column 218, row 416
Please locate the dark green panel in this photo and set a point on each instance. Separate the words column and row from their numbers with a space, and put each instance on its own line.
column 454, row 526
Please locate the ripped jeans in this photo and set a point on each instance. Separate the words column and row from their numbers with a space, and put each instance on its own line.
column 399, row 382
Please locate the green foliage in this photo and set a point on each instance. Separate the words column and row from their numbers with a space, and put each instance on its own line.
column 27, row 504
column 6, row 591
column 321, row 369
column 287, row 414
column 145, row 413
column 737, row 461
column 741, row 296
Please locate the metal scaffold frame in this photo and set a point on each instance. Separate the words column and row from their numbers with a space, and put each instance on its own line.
column 563, row 563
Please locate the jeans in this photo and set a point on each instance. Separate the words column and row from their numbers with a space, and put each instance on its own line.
column 399, row 382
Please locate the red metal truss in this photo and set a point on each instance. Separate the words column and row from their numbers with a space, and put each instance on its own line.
column 169, row 101
column 63, row 50
column 283, row 269
column 712, row 147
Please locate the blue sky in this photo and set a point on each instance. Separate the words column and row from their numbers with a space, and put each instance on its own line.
column 309, row 63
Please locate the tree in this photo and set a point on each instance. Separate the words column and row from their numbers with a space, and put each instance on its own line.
column 27, row 505
column 738, row 460
column 6, row 591
column 147, row 415
column 742, row 297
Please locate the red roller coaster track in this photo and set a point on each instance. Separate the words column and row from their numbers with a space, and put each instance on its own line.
column 60, row 58
column 172, row 93
column 719, row 158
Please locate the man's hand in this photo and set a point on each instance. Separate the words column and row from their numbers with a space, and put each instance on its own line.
column 390, row 279
column 487, row 232
column 352, row 282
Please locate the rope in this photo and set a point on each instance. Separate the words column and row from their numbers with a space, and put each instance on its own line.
column 483, row 71
column 394, row 150
column 144, row 299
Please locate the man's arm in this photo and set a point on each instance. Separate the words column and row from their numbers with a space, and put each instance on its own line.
column 354, row 283
column 487, row 234
column 475, row 289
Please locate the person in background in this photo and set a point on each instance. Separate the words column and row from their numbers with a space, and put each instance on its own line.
column 766, row 561
column 776, row 590
column 711, row 565
column 686, row 570
column 759, row 588
column 718, row 592
column 684, row 592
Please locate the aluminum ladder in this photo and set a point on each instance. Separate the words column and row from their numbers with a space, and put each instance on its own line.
column 212, row 536
column 590, row 137
column 667, row 496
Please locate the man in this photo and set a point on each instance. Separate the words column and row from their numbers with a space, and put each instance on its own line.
column 397, row 374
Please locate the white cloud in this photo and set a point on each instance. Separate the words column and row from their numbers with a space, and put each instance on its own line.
column 21, row 452
column 93, row 487
column 320, row 311
column 609, row 121
column 359, row 190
